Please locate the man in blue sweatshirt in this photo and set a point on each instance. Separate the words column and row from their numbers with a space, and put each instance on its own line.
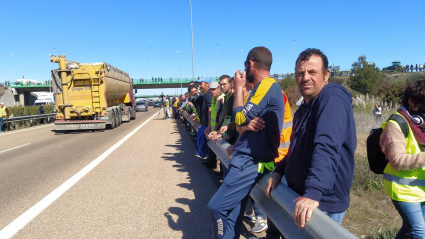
column 320, row 163
column 256, row 150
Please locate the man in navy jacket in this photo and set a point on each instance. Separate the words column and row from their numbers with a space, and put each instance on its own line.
column 320, row 163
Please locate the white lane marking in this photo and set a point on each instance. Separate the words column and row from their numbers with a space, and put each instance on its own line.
column 19, row 131
column 14, row 148
column 20, row 222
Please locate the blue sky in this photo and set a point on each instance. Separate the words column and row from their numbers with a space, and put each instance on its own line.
column 122, row 32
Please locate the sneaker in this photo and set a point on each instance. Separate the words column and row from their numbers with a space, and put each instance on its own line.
column 260, row 225
column 249, row 218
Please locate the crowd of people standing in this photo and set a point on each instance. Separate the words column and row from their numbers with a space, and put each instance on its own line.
column 314, row 150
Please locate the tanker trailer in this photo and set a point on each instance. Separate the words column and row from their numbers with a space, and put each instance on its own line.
column 91, row 95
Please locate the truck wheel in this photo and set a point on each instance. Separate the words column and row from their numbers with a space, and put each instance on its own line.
column 119, row 118
column 133, row 114
column 130, row 114
column 112, row 125
column 116, row 118
column 120, row 115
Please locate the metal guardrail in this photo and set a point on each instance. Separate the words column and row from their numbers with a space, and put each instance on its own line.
column 28, row 117
column 280, row 209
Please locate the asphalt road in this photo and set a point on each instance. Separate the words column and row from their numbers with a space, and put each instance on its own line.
column 150, row 186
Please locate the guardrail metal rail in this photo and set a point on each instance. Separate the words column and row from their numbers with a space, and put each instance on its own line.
column 28, row 117
column 280, row 209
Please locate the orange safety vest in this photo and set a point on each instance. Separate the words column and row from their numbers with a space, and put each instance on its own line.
column 285, row 136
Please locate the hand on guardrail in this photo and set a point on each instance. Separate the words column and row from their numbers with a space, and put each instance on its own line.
column 207, row 131
column 214, row 136
column 272, row 183
column 303, row 210
column 230, row 149
column 223, row 129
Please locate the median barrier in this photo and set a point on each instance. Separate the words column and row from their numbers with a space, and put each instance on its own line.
column 280, row 208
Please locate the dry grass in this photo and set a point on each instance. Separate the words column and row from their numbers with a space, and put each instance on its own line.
column 371, row 213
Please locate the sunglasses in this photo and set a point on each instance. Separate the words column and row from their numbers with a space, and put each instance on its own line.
column 247, row 61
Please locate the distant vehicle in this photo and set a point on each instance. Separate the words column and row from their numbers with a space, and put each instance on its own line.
column 396, row 66
column 157, row 104
column 141, row 106
column 45, row 98
column 150, row 103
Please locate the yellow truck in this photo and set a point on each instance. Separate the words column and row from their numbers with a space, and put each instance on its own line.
column 90, row 96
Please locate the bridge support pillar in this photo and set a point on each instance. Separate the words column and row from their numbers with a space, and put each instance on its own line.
column 21, row 98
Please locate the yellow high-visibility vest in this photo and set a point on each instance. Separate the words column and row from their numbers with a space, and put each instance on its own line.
column 405, row 185
column 214, row 110
column 195, row 112
column 3, row 113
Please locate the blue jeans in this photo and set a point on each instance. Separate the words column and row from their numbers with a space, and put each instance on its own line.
column 1, row 122
column 226, row 207
column 412, row 214
column 337, row 217
column 258, row 212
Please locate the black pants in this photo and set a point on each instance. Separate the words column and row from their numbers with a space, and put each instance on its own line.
column 272, row 232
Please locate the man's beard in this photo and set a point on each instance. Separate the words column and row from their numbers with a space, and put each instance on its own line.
column 249, row 76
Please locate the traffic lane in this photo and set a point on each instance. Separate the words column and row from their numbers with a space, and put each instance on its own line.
column 151, row 187
column 31, row 174
column 13, row 139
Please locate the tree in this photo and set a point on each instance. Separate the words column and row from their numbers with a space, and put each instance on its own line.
column 288, row 81
column 289, row 86
column 366, row 77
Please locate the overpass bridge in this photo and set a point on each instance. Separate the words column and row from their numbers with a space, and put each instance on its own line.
column 150, row 96
column 23, row 89
column 160, row 83
column 139, row 83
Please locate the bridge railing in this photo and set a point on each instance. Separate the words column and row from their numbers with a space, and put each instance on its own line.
column 166, row 80
column 280, row 209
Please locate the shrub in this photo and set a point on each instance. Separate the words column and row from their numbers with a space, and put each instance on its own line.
column 293, row 94
column 288, row 81
column 16, row 111
column 391, row 92
column 365, row 104
column 336, row 79
column 366, row 78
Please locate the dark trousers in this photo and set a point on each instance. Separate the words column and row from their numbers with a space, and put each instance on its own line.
column 228, row 204
column 272, row 232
